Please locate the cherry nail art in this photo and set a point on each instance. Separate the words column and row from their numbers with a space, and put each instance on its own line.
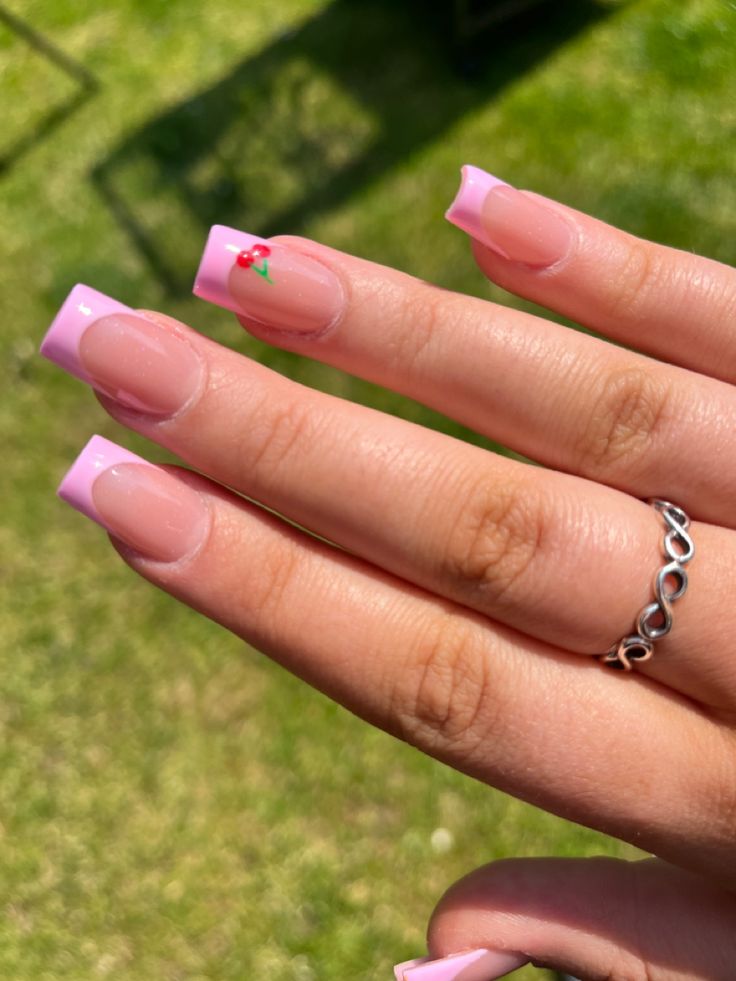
column 248, row 257
column 308, row 296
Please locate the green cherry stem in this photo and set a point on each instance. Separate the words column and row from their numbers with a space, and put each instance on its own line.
column 263, row 271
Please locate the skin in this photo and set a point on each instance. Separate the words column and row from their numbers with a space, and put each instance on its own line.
column 456, row 597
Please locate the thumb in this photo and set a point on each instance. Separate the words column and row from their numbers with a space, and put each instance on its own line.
column 593, row 918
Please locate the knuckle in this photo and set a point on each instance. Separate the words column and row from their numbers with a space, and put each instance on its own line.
column 626, row 419
column 637, row 275
column 271, row 581
column 443, row 695
column 494, row 537
column 648, row 276
column 421, row 320
column 276, row 433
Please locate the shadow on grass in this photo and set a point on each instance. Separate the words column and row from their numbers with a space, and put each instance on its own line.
column 85, row 87
column 312, row 119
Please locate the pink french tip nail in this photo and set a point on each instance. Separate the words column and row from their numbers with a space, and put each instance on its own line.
column 518, row 226
column 97, row 456
column 467, row 208
column 268, row 282
column 79, row 311
column 401, row 969
column 221, row 252
column 473, row 965
column 148, row 508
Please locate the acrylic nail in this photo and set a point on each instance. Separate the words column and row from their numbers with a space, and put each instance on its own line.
column 516, row 225
column 465, row 211
column 472, row 965
column 267, row 282
column 151, row 510
column 133, row 359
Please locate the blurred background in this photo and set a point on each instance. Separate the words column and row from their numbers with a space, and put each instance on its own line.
column 173, row 805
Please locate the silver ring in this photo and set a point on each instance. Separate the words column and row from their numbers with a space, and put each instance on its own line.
column 655, row 620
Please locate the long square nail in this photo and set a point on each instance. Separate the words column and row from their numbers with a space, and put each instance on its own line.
column 517, row 225
column 473, row 965
column 133, row 359
column 151, row 510
column 267, row 282
column 82, row 307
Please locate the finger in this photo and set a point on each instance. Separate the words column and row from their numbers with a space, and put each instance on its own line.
column 669, row 303
column 531, row 548
column 592, row 918
column 457, row 686
column 568, row 400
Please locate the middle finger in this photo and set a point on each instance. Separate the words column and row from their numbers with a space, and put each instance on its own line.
column 564, row 398
column 532, row 548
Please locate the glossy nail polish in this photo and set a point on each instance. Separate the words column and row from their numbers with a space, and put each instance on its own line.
column 465, row 211
column 151, row 510
column 473, row 965
column 517, row 226
column 136, row 361
column 267, row 282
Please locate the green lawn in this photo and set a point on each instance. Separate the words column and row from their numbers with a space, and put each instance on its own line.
column 172, row 805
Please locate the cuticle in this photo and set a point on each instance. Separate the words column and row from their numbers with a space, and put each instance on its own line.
column 576, row 238
column 201, row 388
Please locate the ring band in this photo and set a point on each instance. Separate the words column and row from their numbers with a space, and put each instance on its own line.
column 655, row 620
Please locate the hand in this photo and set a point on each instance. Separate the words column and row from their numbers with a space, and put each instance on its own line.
column 455, row 597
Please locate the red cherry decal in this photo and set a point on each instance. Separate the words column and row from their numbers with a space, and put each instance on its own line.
column 245, row 259
column 261, row 251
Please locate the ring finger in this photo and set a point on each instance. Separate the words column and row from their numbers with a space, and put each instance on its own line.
column 468, row 691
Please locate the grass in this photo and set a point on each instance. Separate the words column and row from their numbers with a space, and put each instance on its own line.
column 172, row 805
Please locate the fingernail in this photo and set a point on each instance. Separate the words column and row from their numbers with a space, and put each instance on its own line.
column 267, row 282
column 134, row 360
column 149, row 509
column 474, row 965
column 516, row 225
